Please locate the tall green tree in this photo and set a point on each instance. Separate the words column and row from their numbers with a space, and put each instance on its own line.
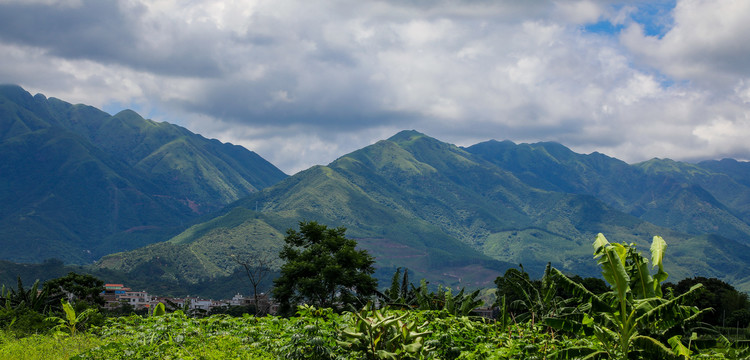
column 77, row 287
column 323, row 268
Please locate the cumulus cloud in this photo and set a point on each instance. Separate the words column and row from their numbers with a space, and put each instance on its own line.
column 305, row 82
column 705, row 44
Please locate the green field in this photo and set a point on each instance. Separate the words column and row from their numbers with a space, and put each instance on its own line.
column 313, row 334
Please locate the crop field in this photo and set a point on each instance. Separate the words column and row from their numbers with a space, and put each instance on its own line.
column 321, row 334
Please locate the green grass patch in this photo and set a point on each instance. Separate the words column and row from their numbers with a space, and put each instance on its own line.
column 44, row 347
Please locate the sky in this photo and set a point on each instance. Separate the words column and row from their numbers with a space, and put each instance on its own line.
column 304, row 82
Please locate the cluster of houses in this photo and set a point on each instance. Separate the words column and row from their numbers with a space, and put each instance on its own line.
column 117, row 295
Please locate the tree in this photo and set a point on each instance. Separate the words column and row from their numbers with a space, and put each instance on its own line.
column 399, row 291
column 512, row 288
column 399, row 294
column 257, row 267
column 716, row 294
column 78, row 287
column 323, row 268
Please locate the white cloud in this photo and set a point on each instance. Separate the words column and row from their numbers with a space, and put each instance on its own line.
column 68, row 3
column 580, row 12
column 726, row 135
column 742, row 90
column 302, row 83
column 706, row 45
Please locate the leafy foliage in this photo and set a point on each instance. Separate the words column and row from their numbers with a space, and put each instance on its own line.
column 22, row 298
column 399, row 294
column 443, row 299
column 527, row 299
column 79, row 287
column 312, row 334
column 319, row 333
column 632, row 317
column 44, row 347
column 71, row 322
column 384, row 336
column 176, row 336
column 730, row 306
column 28, row 311
column 323, row 269
column 159, row 310
column 404, row 295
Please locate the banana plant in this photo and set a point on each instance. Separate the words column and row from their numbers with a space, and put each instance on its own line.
column 399, row 296
column 537, row 299
column 443, row 299
column 384, row 336
column 461, row 304
column 630, row 318
column 71, row 321
column 31, row 298
column 159, row 310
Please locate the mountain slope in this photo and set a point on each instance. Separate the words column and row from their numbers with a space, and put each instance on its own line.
column 449, row 214
column 77, row 183
column 552, row 166
column 686, row 197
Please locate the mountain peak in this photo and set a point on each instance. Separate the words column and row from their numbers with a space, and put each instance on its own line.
column 11, row 89
column 16, row 94
column 103, row 183
column 128, row 114
column 406, row 135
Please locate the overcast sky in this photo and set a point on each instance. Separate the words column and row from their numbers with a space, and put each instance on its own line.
column 304, row 82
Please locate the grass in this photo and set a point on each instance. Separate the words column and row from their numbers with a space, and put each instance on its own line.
column 44, row 347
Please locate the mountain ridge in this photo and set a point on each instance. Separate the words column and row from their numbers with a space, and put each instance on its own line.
column 77, row 183
column 161, row 202
column 439, row 209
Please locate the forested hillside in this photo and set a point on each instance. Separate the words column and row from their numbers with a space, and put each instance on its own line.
column 461, row 216
column 77, row 183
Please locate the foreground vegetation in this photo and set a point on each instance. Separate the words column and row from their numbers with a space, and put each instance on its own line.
column 634, row 315
column 313, row 334
column 321, row 334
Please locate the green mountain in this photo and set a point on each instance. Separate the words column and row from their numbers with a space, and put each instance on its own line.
column 691, row 198
column 77, row 183
column 459, row 216
column 155, row 201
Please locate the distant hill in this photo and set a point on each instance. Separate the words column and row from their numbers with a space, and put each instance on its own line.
column 77, row 183
column 462, row 216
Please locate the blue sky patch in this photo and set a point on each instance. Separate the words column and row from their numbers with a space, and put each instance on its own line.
column 603, row 27
column 654, row 16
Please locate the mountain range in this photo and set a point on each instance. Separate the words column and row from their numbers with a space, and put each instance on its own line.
column 180, row 208
column 77, row 183
column 461, row 216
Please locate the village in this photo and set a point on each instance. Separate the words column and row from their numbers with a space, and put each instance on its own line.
column 118, row 296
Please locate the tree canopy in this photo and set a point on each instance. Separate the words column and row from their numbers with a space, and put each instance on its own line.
column 730, row 307
column 78, row 287
column 323, row 268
